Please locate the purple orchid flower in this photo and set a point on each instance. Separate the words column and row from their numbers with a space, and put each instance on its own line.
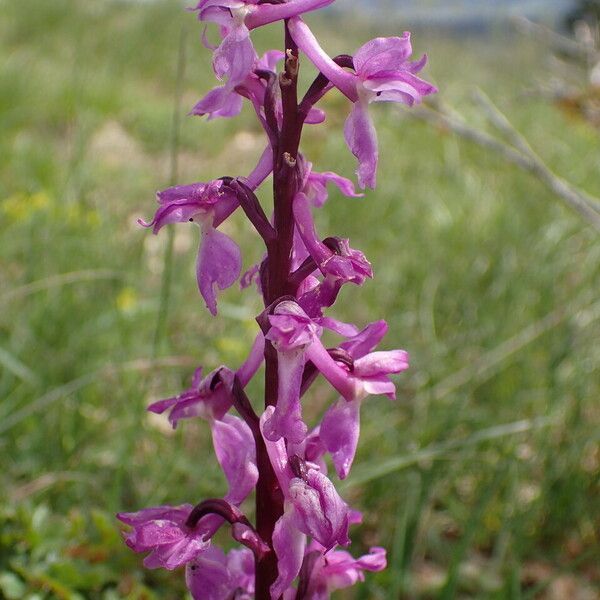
column 226, row 100
column 163, row 532
column 209, row 398
column 219, row 260
column 338, row 570
column 301, row 520
column 214, row 575
column 383, row 73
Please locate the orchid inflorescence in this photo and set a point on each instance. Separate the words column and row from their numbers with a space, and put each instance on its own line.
column 292, row 550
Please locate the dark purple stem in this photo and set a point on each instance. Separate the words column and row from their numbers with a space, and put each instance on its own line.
column 254, row 211
column 308, row 267
column 244, row 407
column 216, row 506
column 269, row 498
column 320, row 86
column 270, row 114
column 241, row 528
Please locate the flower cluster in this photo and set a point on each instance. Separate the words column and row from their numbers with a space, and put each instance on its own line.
column 293, row 551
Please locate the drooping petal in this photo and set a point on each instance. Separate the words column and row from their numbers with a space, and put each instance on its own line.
column 236, row 453
column 288, row 544
column 277, row 452
column 339, row 433
column 219, row 264
column 316, row 187
column 235, row 57
column 361, row 138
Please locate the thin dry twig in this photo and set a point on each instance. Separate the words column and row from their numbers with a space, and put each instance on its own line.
column 517, row 151
column 559, row 42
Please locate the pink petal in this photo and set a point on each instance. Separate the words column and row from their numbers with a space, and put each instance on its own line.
column 361, row 138
column 339, row 433
column 219, row 263
column 236, row 453
column 289, row 544
column 307, row 42
column 381, row 54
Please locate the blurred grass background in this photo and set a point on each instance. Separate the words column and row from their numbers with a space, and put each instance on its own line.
column 482, row 480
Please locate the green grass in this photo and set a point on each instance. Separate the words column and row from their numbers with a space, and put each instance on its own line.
column 482, row 480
